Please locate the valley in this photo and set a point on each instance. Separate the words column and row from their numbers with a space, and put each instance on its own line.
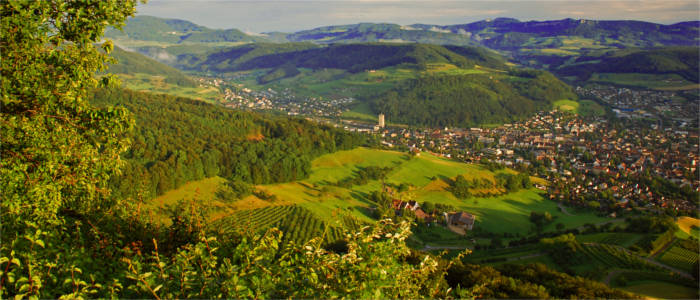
column 149, row 157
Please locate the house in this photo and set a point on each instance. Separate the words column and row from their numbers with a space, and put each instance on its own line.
column 420, row 214
column 462, row 220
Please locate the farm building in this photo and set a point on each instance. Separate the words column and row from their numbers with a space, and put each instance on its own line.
column 459, row 222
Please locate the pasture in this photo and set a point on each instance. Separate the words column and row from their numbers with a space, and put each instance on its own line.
column 652, row 81
column 157, row 84
column 688, row 226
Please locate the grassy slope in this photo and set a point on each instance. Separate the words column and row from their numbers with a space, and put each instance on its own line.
column 582, row 107
column 507, row 213
column 660, row 290
column 652, row 81
column 685, row 226
column 157, row 84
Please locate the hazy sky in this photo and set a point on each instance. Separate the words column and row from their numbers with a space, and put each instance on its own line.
column 294, row 15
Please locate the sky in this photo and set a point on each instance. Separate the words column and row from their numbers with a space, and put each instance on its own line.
column 294, row 15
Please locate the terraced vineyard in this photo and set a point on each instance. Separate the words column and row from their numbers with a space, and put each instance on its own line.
column 298, row 223
column 680, row 258
column 616, row 257
column 617, row 238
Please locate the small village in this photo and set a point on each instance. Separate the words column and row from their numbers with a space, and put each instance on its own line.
column 643, row 103
column 237, row 97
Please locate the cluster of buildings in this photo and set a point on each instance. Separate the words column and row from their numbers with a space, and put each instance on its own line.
column 238, row 97
column 644, row 103
column 458, row 222
column 585, row 160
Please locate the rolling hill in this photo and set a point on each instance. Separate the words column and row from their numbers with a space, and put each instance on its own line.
column 350, row 57
column 682, row 61
column 469, row 100
column 173, row 31
column 371, row 32
column 132, row 63
column 511, row 34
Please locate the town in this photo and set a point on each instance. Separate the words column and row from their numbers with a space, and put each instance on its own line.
column 588, row 162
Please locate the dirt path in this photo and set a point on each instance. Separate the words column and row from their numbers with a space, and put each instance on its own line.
column 526, row 256
column 610, row 276
column 429, row 247
column 663, row 249
column 563, row 209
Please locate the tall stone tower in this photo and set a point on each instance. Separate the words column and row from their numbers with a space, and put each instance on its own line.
column 381, row 120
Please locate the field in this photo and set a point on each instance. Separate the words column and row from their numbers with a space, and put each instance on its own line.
column 157, row 84
column 688, row 226
column 616, row 257
column 298, row 224
column 566, row 105
column 660, row 290
column 200, row 191
column 679, row 258
column 582, row 107
column 652, row 81
column 361, row 112
column 623, row 239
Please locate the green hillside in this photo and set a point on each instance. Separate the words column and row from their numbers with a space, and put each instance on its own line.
column 350, row 57
column 132, row 63
column 370, row 32
column 467, row 100
column 427, row 175
column 680, row 61
column 173, row 31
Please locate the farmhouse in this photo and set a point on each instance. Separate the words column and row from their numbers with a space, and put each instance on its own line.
column 459, row 222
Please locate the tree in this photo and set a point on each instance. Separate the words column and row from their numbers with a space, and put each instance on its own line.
column 57, row 151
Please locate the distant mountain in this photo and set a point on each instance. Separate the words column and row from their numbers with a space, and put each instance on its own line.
column 369, row 32
column 147, row 28
column 349, row 57
column 131, row 62
column 500, row 33
column 511, row 34
column 682, row 61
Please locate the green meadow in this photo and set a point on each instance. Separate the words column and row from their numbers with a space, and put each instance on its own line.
column 581, row 107
column 157, row 84
column 652, row 81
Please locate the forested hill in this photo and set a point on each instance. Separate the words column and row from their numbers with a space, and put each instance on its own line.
column 371, row 32
column 177, row 140
column 468, row 100
column 147, row 28
column 507, row 33
column 510, row 34
column 673, row 60
column 132, row 63
column 350, row 57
